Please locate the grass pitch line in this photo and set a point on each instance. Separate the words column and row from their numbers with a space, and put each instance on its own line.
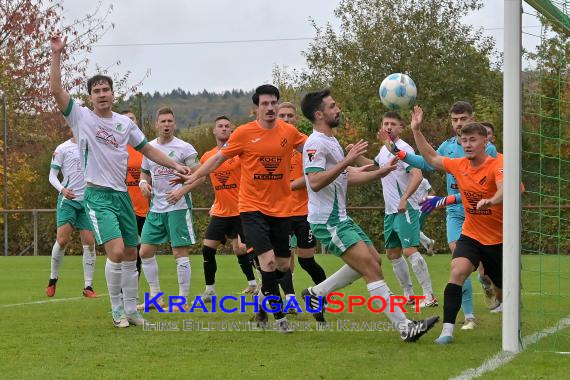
column 49, row 301
column 503, row 357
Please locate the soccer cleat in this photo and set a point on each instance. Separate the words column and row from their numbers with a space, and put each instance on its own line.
column 207, row 295
column 497, row 309
column 283, row 327
column 411, row 301
column 444, row 339
column 251, row 289
column 50, row 289
column 135, row 319
column 417, row 329
column 261, row 318
column 89, row 292
column 119, row 318
column 429, row 303
column 429, row 248
column 160, row 302
column 469, row 324
column 315, row 303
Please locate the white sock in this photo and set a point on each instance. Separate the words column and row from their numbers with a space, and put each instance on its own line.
column 130, row 286
column 211, row 288
column 380, row 288
column 447, row 329
column 420, row 268
column 113, row 274
column 338, row 280
column 402, row 272
column 57, row 253
column 184, row 272
column 150, row 269
column 424, row 240
column 88, row 264
column 252, row 283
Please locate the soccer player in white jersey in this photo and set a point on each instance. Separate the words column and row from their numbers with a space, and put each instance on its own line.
column 327, row 179
column 170, row 215
column 103, row 136
column 402, row 215
column 70, row 215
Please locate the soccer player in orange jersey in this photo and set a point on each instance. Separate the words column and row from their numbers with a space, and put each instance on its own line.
column 480, row 180
column 225, row 221
column 264, row 147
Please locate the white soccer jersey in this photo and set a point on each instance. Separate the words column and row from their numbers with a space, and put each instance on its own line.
column 423, row 190
column 395, row 183
column 66, row 159
column 181, row 152
column 103, row 145
column 328, row 206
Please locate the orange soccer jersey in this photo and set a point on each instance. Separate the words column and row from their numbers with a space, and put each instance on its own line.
column 140, row 203
column 485, row 226
column 225, row 181
column 299, row 198
column 265, row 157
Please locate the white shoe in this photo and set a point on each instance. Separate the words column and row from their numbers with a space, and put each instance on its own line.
column 429, row 303
column 135, row 319
column 207, row 295
column 160, row 302
column 119, row 318
column 469, row 324
column 429, row 248
column 497, row 309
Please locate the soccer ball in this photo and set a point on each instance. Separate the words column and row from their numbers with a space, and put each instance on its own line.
column 398, row 91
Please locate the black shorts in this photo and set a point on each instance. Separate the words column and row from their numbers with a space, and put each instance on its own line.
column 301, row 229
column 490, row 255
column 264, row 233
column 223, row 228
column 140, row 223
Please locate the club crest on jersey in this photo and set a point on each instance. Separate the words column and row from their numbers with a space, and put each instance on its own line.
column 119, row 127
column 270, row 163
column 171, row 154
column 283, row 142
column 311, row 154
column 107, row 138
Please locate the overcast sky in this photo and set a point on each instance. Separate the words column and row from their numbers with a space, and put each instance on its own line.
column 225, row 66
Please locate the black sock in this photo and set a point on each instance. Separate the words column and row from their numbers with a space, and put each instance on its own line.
column 246, row 266
column 313, row 268
column 451, row 302
column 269, row 287
column 285, row 279
column 210, row 266
column 139, row 260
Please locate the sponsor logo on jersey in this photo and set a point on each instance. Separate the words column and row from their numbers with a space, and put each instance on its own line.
column 222, row 177
column 105, row 137
column 270, row 163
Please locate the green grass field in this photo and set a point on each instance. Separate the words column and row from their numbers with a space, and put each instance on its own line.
column 72, row 337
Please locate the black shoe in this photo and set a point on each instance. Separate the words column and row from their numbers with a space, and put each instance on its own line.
column 419, row 328
column 261, row 318
column 315, row 303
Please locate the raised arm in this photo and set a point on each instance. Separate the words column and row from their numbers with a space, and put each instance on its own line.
column 209, row 166
column 411, row 188
column 428, row 153
column 61, row 96
column 160, row 158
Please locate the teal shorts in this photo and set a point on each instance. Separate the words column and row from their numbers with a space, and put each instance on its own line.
column 111, row 215
column 71, row 212
column 175, row 227
column 339, row 237
column 402, row 230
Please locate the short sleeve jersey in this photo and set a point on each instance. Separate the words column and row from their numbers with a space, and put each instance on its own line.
column 181, row 152
column 395, row 183
column 140, row 202
column 328, row 205
column 103, row 144
column 66, row 159
column 225, row 181
column 485, row 226
column 299, row 198
column 265, row 157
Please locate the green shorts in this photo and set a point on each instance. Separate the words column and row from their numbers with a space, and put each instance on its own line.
column 111, row 215
column 175, row 227
column 71, row 212
column 402, row 230
column 339, row 237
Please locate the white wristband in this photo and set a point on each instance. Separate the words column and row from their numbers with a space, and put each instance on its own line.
column 142, row 182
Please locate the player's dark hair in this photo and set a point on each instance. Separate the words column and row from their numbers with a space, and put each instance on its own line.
column 393, row 115
column 313, row 102
column 474, row 129
column 488, row 125
column 98, row 79
column 264, row 89
column 461, row 107
column 222, row 117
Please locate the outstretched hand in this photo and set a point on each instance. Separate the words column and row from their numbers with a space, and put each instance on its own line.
column 417, row 116
column 357, row 150
column 58, row 43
